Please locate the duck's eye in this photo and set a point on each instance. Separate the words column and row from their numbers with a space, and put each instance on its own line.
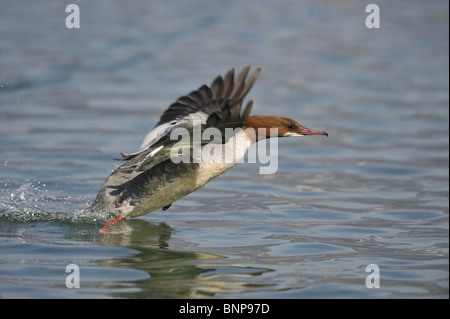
column 290, row 126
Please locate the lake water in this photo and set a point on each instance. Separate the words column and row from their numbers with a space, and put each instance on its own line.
column 376, row 191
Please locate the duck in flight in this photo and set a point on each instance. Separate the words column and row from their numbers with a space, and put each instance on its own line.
column 166, row 169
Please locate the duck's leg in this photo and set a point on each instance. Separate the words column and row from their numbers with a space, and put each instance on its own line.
column 112, row 222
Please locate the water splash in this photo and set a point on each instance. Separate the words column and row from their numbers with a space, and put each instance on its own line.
column 32, row 201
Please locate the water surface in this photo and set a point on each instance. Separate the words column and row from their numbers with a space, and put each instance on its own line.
column 374, row 192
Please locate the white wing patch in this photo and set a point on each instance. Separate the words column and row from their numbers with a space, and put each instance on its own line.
column 154, row 135
column 156, row 150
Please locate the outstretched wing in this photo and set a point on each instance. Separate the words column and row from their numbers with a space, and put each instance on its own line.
column 209, row 100
column 218, row 105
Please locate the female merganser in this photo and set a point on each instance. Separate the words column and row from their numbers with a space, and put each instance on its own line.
column 156, row 176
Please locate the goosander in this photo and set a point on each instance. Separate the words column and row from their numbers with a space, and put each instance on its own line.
column 155, row 177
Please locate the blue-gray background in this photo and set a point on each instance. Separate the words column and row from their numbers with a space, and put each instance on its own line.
column 374, row 192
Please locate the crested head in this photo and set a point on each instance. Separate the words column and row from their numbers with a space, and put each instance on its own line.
column 282, row 126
